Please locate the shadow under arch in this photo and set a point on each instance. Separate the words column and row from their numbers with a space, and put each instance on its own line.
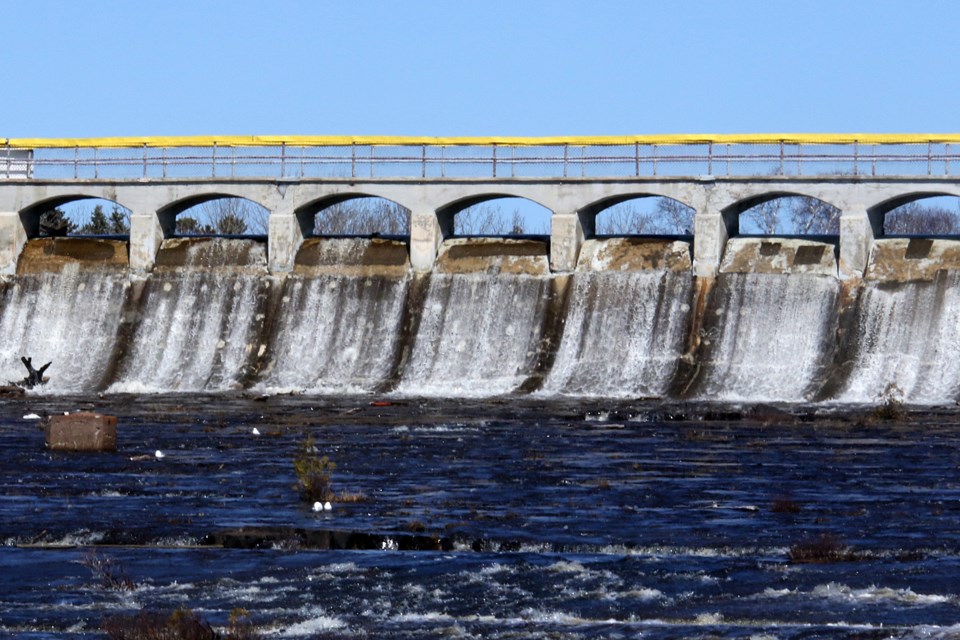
column 795, row 215
column 31, row 215
column 245, row 217
column 449, row 227
column 657, row 215
column 920, row 220
column 357, row 214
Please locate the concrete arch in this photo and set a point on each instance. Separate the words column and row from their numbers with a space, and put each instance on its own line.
column 878, row 212
column 31, row 213
column 167, row 214
column 731, row 212
column 447, row 213
column 306, row 212
column 589, row 213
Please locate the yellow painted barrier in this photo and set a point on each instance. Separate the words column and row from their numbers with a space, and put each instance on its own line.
column 308, row 141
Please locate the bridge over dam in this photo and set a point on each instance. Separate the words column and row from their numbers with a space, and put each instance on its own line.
column 711, row 314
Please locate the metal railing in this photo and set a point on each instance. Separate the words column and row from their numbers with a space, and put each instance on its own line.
column 481, row 158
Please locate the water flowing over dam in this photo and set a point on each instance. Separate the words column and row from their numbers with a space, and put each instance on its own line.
column 491, row 319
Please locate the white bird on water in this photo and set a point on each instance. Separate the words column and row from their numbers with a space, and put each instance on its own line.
column 159, row 454
column 256, row 431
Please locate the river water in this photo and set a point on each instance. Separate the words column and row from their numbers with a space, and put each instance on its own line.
column 509, row 518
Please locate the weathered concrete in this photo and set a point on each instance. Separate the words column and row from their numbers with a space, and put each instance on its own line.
column 912, row 259
column 358, row 257
column 44, row 255
column 575, row 202
column 493, row 255
column 81, row 432
column 634, row 254
column 779, row 255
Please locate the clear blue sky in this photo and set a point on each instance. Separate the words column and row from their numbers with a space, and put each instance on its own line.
column 499, row 67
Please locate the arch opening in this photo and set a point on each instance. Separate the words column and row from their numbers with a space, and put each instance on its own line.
column 77, row 216
column 216, row 215
column 496, row 216
column 356, row 216
column 785, row 215
column 922, row 215
column 642, row 215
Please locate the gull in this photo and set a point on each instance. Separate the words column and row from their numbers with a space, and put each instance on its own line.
column 159, row 454
column 255, row 431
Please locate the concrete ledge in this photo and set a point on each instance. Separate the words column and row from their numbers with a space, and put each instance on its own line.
column 912, row 259
column 779, row 255
column 358, row 257
column 494, row 255
column 635, row 254
column 83, row 431
column 50, row 255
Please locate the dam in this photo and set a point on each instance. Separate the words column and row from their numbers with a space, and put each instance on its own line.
column 712, row 314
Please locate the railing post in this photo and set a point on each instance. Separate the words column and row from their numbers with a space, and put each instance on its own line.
column 856, row 157
column 283, row 159
column 423, row 161
column 233, row 162
column 494, row 160
column 443, row 162
column 655, row 147
column 9, row 160
column 946, row 158
column 636, row 158
column 929, row 158
column 781, row 158
column 144, row 160
column 213, row 160
column 710, row 158
column 566, row 157
column 353, row 161
column 163, row 160
column 76, row 162
column 96, row 165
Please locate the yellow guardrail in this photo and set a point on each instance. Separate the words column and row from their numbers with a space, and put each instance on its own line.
column 310, row 141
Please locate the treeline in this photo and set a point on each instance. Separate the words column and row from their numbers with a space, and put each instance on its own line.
column 788, row 215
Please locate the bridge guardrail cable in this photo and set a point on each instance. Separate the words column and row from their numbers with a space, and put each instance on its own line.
column 507, row 158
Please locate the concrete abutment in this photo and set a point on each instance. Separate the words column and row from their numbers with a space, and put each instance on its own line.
column 574, row 203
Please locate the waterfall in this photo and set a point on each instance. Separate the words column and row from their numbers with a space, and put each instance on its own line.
column 335, row 334
column 768, row 337
column 479, row 334
column 908, row 342
column 200, row 317
column 624, row 334
column 69, row 318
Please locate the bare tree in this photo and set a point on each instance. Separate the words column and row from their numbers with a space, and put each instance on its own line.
column 667, row 217
column 487, row 220
column 362, row 216
column 793, row 215
column 235, row 216
column 915, row 218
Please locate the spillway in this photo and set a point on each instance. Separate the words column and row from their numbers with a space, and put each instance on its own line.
column 491, row 319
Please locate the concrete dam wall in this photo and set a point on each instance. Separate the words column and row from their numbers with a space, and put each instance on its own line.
column 632, row 320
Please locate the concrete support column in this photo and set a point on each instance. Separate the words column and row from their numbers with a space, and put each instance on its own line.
column 146, row 236
column 12, row 239
column 285, row 235
column 426, row 235
column 709, row 240
column 566, row 238
column 856, row 241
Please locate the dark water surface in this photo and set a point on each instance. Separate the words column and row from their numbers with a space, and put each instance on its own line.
column 512, row 519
